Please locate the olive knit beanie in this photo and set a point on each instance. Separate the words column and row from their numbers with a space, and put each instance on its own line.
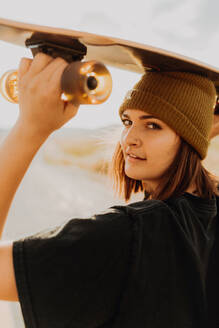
column 184, row 101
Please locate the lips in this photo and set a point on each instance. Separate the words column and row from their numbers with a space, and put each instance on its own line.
column 133, row 160
column 135, row 156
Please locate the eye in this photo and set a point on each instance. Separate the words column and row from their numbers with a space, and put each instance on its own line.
column 156, row 126
column 123, row 122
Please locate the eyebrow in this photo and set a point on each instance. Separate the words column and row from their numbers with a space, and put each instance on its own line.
column 143, row 117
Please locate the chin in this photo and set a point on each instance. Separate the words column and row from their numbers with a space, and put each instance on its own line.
column 134, row 176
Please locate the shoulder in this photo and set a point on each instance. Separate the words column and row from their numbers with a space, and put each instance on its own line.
column 152, row 215
column 144, row 206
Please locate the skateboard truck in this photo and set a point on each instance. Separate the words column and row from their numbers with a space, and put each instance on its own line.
column 82, row 82
column 76, row 52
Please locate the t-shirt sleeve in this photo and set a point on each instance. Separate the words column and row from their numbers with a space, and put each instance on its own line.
column 73, row 275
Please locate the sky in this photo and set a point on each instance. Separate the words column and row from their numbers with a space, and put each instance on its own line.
column 190, row 28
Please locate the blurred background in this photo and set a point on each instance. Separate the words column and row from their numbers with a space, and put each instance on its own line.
column 67, row 178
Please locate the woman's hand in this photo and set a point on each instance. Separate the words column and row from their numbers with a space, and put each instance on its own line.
column 41, row 107
column 215, row 127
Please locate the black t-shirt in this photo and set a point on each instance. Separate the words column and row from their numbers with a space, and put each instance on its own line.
column 140, row 265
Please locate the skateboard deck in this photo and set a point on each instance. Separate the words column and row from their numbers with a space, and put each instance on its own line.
column 76, row 45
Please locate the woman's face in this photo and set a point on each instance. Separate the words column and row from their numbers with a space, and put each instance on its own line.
column 150, row 139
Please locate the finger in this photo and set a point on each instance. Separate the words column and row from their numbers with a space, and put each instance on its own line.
column 39, row 62
column 52, row 74
column 55, row 69
column 24, row 66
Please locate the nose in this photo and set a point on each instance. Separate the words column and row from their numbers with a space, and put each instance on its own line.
column 131, row 137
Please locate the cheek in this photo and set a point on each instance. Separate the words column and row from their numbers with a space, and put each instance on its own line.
column 162, row 150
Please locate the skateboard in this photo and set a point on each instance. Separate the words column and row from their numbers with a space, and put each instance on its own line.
column 86, row 77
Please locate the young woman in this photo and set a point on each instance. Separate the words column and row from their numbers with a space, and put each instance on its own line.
column 141, row 265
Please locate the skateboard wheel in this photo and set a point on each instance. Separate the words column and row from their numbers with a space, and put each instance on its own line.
column 86, row 82
column 9, row 86
column 81, row 82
